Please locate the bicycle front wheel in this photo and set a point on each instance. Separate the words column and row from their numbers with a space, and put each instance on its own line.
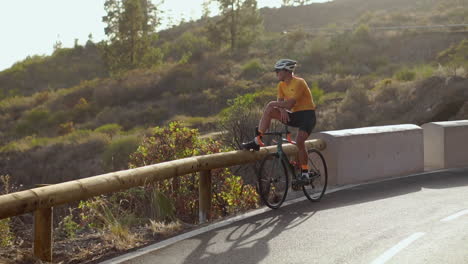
column 273, row 181
column 317, row 186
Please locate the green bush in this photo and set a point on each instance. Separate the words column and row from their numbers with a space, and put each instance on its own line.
column 333, row 96
column 252, row 69
column 187, row 47
column 70, row 227
column 109, row 129
column 198, row 122
column 239, row 120
column 176, row 142
column 455, row 57
column 317, row 93
column 6, row 238
column 405, row 75
column 116, row 155
column 66, row 128
column 33, row 122
column 424, row 71
column 362, row 33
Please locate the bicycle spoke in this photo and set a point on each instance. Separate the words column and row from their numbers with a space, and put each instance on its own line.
column 318, row 174
column 273, row 182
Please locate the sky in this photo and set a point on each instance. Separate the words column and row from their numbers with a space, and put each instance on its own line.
column 32, row 27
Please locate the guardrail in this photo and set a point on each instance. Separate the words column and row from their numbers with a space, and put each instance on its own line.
column 41, row 200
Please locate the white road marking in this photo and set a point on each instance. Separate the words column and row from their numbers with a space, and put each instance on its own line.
column 451, row 217
column 397, row 248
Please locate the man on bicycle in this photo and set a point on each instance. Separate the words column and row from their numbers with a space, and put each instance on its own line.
column 294, row 107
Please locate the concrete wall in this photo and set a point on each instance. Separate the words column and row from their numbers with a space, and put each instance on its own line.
column 446, row 144
column 364, row 154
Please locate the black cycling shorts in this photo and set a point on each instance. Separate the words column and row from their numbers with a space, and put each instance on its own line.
column 304, row 120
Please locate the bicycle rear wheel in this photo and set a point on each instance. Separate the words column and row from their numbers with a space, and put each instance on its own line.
column 273, row 181
column 317, row 186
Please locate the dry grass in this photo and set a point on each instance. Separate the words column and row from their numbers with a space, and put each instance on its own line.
column 121, row 237
column 164, row 229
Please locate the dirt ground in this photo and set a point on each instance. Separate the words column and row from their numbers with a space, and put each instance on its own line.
column 88, row 247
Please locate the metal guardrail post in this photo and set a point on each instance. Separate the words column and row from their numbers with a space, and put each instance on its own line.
column 204, row 204
column 43, row 234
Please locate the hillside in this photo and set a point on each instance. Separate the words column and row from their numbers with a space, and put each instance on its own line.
column 65, row 68
column 62, row 117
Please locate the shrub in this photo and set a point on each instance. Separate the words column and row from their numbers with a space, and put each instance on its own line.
column 386, row 94
column 109, row 129
column 131, row 115
column 175, row 142
column 362, row 33
column 234, row 196
column 198, row 122
column 343, row 84
column 317, row 93
column 187, row 47
column 455, row 57
column 424, row 71
column 239, row 120
column 59, row 117
column 66, row 128
column 41, row 97
column 6, row 238
column 116, row 154
column 333, row 96
column 382, row 84
column 33, row 122
column 69, row 226
column 252, row 69
column 354, row 109
column 405, row 75
column 112, row 214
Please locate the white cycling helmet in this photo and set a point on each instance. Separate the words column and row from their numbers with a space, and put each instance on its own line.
column 285, row 64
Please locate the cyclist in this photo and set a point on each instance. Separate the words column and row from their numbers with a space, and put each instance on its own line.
column 294, row 107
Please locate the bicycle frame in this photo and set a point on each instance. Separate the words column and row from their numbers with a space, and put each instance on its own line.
column 279, row 144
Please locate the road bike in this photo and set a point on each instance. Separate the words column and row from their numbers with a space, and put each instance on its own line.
column 276, row 169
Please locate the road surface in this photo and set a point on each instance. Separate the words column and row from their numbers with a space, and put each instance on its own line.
column 417, row 219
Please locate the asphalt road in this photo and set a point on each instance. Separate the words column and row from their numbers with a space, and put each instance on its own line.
column 418, row 219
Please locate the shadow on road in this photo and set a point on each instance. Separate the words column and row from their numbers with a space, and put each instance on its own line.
column 248, row 239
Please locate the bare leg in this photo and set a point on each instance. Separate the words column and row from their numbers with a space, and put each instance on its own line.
column 269, row 113
column 300, row 143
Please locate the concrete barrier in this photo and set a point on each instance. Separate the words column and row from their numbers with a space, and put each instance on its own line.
column 446, row 144
column 364, row 154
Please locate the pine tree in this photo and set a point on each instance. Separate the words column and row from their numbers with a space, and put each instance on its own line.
column 131, row 31
column 239, row 24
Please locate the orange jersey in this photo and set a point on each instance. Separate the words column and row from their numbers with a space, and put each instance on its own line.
column 299, row 90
